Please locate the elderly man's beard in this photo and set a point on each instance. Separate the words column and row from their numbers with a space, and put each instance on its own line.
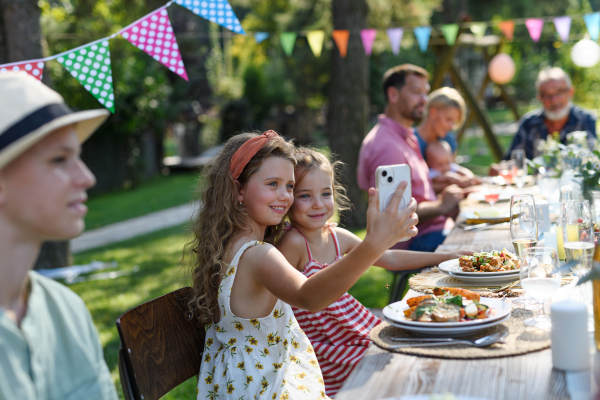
column 560, row 114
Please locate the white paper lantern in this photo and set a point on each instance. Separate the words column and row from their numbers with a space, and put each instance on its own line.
column 502, row 69
column 585, row 53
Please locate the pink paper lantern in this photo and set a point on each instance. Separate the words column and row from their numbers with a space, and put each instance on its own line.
column 502, row 69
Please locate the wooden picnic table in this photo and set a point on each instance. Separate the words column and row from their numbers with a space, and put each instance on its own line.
column 382, row 374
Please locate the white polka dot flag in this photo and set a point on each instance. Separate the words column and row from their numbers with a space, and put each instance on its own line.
column 154, row 35
column 34, row 68
column 217, row 11
column 90, row 65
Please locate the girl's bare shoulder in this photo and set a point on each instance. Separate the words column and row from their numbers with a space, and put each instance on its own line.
column 347, row 240
column 293, row 246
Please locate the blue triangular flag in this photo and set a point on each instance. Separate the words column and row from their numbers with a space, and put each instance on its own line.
column 260, row 36
column 423, row 33
column 592, row 23
column 217, row 11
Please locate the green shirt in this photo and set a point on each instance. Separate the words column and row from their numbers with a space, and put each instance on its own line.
column 56, row 355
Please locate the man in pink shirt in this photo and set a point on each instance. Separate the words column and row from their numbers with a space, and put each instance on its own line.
column 393, row 141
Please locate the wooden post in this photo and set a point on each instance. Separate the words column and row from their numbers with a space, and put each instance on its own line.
column 477, row 108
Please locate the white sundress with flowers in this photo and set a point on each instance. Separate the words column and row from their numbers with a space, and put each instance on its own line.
column 260, row 358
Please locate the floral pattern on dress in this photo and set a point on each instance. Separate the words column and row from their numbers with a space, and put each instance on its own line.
column 258, row 358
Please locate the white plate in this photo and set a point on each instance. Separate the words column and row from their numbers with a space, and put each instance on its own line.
column 446, row 332
column 484, row 279
column 504, row 196
column 452, row 267
column 395, row 312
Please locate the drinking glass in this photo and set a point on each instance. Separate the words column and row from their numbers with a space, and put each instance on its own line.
column 491, row 193
column 566, row 193
column 523, row 222
column 519, row 166
column 506, row 171
column 540, row 279
column 578, row 235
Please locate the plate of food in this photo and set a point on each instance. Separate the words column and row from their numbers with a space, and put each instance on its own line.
column 489, row 215
column 493, row 263
column 446, row 308
column 449, row 331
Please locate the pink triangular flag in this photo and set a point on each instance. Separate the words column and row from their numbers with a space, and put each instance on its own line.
column 368, row 37
column 535, row 26
column 154, row 34
column 34, row 68
column 563, row 27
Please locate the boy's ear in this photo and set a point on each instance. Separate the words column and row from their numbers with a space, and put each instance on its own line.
column 240, row 194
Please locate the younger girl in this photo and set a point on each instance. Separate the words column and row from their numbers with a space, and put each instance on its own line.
column 339, row 334
column 243, row 287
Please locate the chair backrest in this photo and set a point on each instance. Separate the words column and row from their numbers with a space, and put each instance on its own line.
column 160, row 346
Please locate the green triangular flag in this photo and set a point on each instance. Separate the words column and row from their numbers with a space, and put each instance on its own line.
column 478, row 29
column 288, row 40
column 90, row 65
column 450, row 31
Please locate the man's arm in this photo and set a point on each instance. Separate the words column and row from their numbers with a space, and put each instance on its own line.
column 451, row 196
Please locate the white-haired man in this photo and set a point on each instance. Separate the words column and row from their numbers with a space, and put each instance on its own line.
column 558, row 113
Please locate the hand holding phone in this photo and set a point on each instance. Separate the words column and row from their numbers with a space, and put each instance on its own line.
column 388, row 177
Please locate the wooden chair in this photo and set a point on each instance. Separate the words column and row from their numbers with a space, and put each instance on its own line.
column 160, row 346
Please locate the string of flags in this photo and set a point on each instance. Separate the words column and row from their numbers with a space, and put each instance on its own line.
column 90, row 64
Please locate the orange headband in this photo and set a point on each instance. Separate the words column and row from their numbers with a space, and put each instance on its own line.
column 248, row 150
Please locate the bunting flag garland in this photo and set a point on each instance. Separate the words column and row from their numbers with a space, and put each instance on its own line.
column 288, row 40
column 154, row 35
column 422, row 34
column 563, row 27
column 478, row 29
column 450, row 32
column 315, row 41
column 341, row 36
column 34, row 68
column 368, row 37
column 217, row 11
column 90, row 65
column 395, row 37
column 535, row 26
column 260, row 36
column 592, row 23
column 507, row 28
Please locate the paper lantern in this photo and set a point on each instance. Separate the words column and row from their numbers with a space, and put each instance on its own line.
column 585, row 53
column 502, row 69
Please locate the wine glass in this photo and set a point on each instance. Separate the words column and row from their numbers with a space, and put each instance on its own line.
column 540, row 279
column 506, row 171
column 578, row 235
column 523, row 222
column 491, row 193
column 519, row 167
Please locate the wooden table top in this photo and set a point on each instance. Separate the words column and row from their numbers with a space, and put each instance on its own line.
column 382, row 374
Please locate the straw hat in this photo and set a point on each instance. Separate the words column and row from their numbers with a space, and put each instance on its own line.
column 29, row 110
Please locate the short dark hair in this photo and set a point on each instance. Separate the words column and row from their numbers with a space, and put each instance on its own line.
column 396, row 76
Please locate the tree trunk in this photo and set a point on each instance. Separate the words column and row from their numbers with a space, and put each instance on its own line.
column 348, row 103
column 21, row 40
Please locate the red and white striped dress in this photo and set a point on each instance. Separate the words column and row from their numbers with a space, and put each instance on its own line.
column 340, row 333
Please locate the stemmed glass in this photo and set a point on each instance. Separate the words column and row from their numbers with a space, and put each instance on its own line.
column 519, row 166
column 540, row 279
column 491, row 193
column 523, row 222
column 578, row 234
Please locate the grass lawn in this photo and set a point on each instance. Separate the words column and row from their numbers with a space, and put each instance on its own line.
column 155, row 195
column 158, row 256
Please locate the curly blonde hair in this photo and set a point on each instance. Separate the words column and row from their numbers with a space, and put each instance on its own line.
column 309, row 159
column 220, row 218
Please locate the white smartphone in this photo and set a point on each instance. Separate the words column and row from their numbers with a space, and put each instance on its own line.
column 388, row 179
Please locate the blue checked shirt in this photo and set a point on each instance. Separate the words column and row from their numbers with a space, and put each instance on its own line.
column 533, row 127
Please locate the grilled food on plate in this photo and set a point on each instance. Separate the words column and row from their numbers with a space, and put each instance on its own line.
column 447, row 305
column 493, row 261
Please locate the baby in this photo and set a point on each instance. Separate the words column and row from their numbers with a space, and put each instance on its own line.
column 440, row 160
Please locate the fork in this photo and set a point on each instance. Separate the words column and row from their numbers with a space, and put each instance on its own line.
column 427, row 342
